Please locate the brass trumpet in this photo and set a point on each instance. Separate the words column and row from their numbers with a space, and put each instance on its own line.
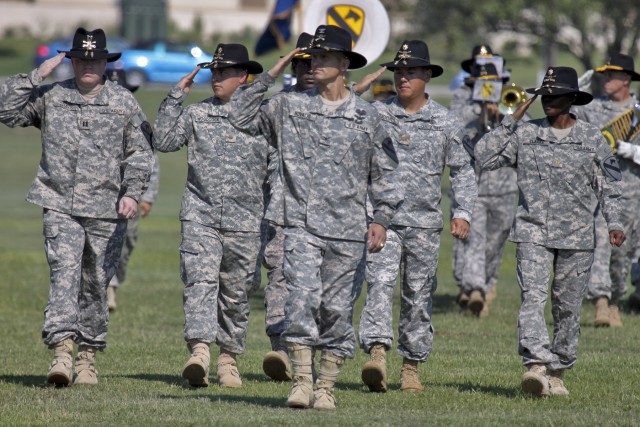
column 512, row 96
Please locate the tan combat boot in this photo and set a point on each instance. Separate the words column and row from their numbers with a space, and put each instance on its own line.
column 374, row 372
column 301, row 394
column 556, row 383
column 276, row 364
column 476, row 302
column 330, row 365
column 111, row 298
column 228, row 375
column 196, row 370
column 535, row 381
column 462, row 299
column 409, row 377
column 60, row 371
column 86, row 372
column 602, row 313
column 614, row 316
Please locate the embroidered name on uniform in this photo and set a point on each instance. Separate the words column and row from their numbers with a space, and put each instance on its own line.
column 208, row 119
column 302, row 115
column 431, row 127
column 357, row 127
column 114, row 111
column 389, row 119
column 583, row 148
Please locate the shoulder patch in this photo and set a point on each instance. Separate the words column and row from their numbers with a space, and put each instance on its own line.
column 147, row 131
column 389, row 149
column 467, row 143
column 611, row 168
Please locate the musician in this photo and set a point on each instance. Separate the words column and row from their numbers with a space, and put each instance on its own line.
column 609, row 270
column 478, row 257
column 561, row 164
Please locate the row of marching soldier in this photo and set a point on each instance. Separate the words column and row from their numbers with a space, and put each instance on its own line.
column 352, row 194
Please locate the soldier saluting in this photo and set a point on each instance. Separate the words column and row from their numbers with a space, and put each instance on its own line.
column 561, row 162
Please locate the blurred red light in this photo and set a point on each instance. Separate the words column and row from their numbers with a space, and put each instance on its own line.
column 43, row 51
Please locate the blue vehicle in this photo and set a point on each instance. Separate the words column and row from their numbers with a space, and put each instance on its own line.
column 162, row 62
column 64, row 70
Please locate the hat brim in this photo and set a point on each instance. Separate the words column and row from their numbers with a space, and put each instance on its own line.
column 582, row 98
column 355, row 59
column 252, row 67
column 97, row 55
column 436, row 70
column 634, row 76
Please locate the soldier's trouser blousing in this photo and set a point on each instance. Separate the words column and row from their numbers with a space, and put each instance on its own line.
column 83, row 254
column 419, row 249
column 571, row 276
column 217, row 269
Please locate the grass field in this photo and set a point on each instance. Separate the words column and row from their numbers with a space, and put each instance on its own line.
column 472, row 377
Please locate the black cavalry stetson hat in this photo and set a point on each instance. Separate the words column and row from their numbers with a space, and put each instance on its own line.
column 479, row 50
column 561, row 81
column 620, row 62
column 304, row 43
column 90, row 45
column 329, row 38
column 413, row 53
column 232, row 55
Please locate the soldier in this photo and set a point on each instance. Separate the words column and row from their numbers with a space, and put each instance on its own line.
column 333, row 150
column 144, row 208
column 427, row 140
column 222, row 206
column 96, row 160
column 478, row 258
column 610, row 265
column 276, row 363
column 382, row 90
column 561, row 162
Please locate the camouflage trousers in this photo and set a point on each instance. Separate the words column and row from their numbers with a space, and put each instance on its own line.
column 570, row 279
column 275, row 293
column 129, row 244
column 415, row 252
column 611, row 264
column 477, row 259
column 320, row 274
column 83, row 255
column 217, row 269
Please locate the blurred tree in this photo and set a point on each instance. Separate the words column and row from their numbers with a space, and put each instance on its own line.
column 586, row 28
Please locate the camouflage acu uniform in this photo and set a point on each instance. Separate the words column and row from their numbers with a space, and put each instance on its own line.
column 94, row 153
column 427, row 141
column 462, row 105
column 222, row 207
column 328, row 162
column 554, row 224
column 131, row 237
column 478, row 256
column 610, row 264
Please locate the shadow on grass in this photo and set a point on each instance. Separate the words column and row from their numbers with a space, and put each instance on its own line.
column 270, row 402
column 174, row 380
column 26, row 380
column 510, row 393
column 444, row 303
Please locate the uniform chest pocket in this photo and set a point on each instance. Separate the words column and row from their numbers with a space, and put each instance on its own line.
column 306, row 133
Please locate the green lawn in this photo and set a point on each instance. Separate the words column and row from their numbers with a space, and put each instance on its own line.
column 472, row 378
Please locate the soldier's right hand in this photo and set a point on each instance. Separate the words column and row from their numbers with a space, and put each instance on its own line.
column 186, row 82
column 519, row 113
column 46, row 68
column 281, row 65
column 616, row 237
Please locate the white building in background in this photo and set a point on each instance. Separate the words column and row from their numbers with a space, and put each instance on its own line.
column 48, row 18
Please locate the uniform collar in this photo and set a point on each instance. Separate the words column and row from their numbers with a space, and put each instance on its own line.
column 423, row 114
column 545, row 133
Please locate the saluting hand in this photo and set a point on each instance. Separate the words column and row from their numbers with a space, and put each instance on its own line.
column 281, row 65
column 46, row 68
column 519, row 113
column 186, row 82
column 363, row 85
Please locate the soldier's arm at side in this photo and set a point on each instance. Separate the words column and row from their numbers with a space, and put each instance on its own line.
column 462, row 176
column 138, row 155
column 606, row 184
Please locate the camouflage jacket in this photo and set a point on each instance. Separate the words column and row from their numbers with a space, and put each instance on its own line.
column 93, row 151
column 462, row 105
column 556, row 179
column 601, row 111
column 426, row 142
column 328, row 161
column 154, row 182
column 226, row 168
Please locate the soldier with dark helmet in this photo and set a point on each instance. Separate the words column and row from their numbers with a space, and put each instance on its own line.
column 428, row 139
column 561, row 164
column 222, row 206
column 95, row 165
column 333, row 151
